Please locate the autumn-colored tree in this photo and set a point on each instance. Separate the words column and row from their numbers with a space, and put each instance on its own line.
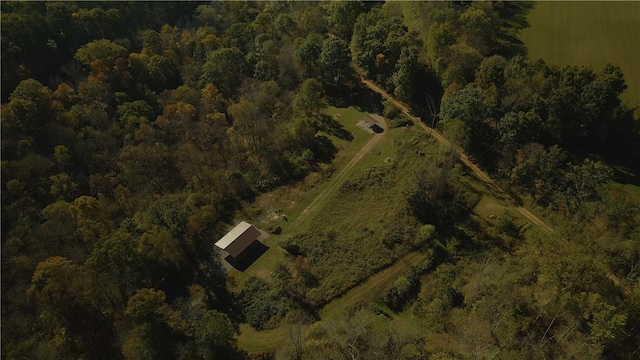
column 225, row 68
column 154, row 326
column 67, row 303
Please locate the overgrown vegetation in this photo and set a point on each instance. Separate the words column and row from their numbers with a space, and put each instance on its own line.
column 366, row 226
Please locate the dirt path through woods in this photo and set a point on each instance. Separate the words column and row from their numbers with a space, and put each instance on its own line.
column 463, row 157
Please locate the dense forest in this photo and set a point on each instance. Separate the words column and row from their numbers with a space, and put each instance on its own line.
column 135, row 133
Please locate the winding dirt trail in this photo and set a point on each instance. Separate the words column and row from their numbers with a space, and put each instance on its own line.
column 371, row 285
column 339, row 178
column 478, row 172
column 463, row 157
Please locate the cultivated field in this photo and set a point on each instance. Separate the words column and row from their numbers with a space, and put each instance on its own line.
column 588, row 33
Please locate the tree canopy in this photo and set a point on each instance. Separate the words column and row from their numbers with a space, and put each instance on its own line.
column 128, row 145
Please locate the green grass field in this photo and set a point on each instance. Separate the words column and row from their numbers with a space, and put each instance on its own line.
column 588, row 33
column 362, row 210
column 255, row 342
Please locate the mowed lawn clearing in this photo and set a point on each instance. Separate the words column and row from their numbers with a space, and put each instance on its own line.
column 348, row 148
column 588, row 34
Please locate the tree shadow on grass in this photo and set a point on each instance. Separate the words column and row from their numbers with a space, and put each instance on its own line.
column 625, row 175
column 366, row 100
column 332, row 127
column 323, row 149
column 248, row 256
column 357, row 95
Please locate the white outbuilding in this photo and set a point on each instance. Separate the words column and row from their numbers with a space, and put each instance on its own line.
column 238, row 239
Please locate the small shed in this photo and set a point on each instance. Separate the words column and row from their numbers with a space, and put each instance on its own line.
column 238, row 239
column 369, row 125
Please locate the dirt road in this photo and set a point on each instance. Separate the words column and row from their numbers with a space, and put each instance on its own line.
column 463, row 157
column 373, row 285
column 339, row 178
column 479, row 173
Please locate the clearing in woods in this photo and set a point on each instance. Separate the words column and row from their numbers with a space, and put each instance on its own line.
column 311, row 193
column 590, row 34
column 369, row 289
column 339, row 178
column 585, row 42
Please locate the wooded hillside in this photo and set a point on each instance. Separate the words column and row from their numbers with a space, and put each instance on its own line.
column 134, row 134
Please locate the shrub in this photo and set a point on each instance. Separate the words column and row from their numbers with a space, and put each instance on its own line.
column 506, row 224
column 263, row 307
column 401, row 291
column 424, row 234
column 276, row 231
column 290, row 246
column 400, row 122
column 390, row 110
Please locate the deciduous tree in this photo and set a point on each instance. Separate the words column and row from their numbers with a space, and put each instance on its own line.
column 309, row 98
column 342, row 16
column 335, row 59
column 225, row 68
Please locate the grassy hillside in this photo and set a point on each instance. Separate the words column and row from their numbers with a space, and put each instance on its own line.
column 365, row 209
column 588, row 33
